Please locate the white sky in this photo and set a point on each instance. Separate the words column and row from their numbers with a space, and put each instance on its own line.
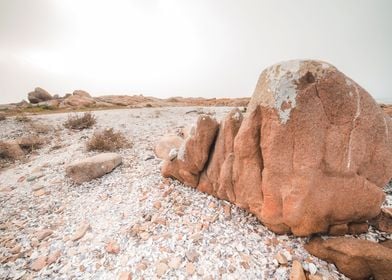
column 209, row 48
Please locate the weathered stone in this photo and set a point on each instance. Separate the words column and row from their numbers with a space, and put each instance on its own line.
column 92, row 167
column 167, row 147
column 81, row 93
column 81, row 231
column 39, row 263
column 355, row 258
column 311, row 139
column 38, row 95
column 297, row 272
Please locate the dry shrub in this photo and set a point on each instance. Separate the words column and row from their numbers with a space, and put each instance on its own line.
column 107, row 140
column 2, row 116
column 87, row 120
column 22, row 118
column 31, row 143
column 40, row 128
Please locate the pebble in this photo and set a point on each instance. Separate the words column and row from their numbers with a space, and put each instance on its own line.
column 125, row 275
column 81, row 231
column 42, row 234
column 175, row 262
column 312, row 268
column 112, row 247
column 190, row 269
column 39, row 263
column 161, row 269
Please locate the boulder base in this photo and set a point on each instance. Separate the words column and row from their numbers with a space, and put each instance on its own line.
column 355, row 258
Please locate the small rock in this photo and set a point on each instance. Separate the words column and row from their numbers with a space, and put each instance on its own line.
column 157, row 205
column 5, row 189
column 175, row 262
column 281, row 259
column 40, row 192
column 53, row 256
column 227, row 211
column 161, row 269
column 192, row 255
column 125, row 275
column 312, row 268
column 42, row 234
column 297, row 272
column 81, row 231
column 112, row 247
column 39, row 263
column 37, row 187
column 190, row 268
column 16, row 249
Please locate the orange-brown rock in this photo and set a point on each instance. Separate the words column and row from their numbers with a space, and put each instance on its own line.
column 168, row 143
column 383, row 222
column 313, row 151
column 193, row 153
column 355, row 258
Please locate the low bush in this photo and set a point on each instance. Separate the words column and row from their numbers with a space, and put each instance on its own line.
column 78, row 122
column 22, row 118
column 107, row 140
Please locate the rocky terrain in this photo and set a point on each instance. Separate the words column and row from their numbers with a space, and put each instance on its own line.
column 256, row 192
column 132, row 221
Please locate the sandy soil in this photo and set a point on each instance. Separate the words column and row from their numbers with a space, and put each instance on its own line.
column 155, row 227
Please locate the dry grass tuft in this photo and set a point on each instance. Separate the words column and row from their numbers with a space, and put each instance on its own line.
column 87, row 120
column 22, row 118
column 107, row 140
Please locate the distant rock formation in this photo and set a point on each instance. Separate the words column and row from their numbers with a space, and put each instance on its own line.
column 313, row 151
column 39, row 95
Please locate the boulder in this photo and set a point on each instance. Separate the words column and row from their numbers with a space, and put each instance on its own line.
column 193, row 153
column 77, row 101
column 81, row 93
column 165, row 145
column 11, row 150
column 312, row 152
column 355, row 258
column 39, row 95
column 93, row 167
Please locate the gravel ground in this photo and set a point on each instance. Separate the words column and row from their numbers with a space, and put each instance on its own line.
column 136, row 222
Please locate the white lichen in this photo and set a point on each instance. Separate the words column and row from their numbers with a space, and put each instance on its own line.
column 282, row 84
column 173, row 153
column 357, row 113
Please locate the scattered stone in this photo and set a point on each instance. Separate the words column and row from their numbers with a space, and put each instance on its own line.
column 53, row 256
column 112, row 247
column 125, row 275
column 297, row 272
column 93, row 167
column 42, row 234
column 157, row 205
column 281, row 258
column 175, row 262
column 312, row 268
column 39, row 263
column 40, row 192
column 37, row 187
column 192, row 255
column 81, row 231
column 161, row 269
column 190, row 269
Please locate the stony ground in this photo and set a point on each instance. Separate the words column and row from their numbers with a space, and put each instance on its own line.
column 131, row 220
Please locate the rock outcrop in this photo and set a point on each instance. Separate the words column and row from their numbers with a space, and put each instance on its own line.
column 81, row 93
column 313, row 151
column 355, row 258
column 93, row 167
column 38, row 95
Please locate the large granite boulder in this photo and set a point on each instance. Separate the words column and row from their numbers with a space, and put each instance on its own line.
column 355, row 258
column 81, row 93
column 39, row 95
column 312, row 152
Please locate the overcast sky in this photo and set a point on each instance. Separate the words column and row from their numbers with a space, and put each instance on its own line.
column 209, row 48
